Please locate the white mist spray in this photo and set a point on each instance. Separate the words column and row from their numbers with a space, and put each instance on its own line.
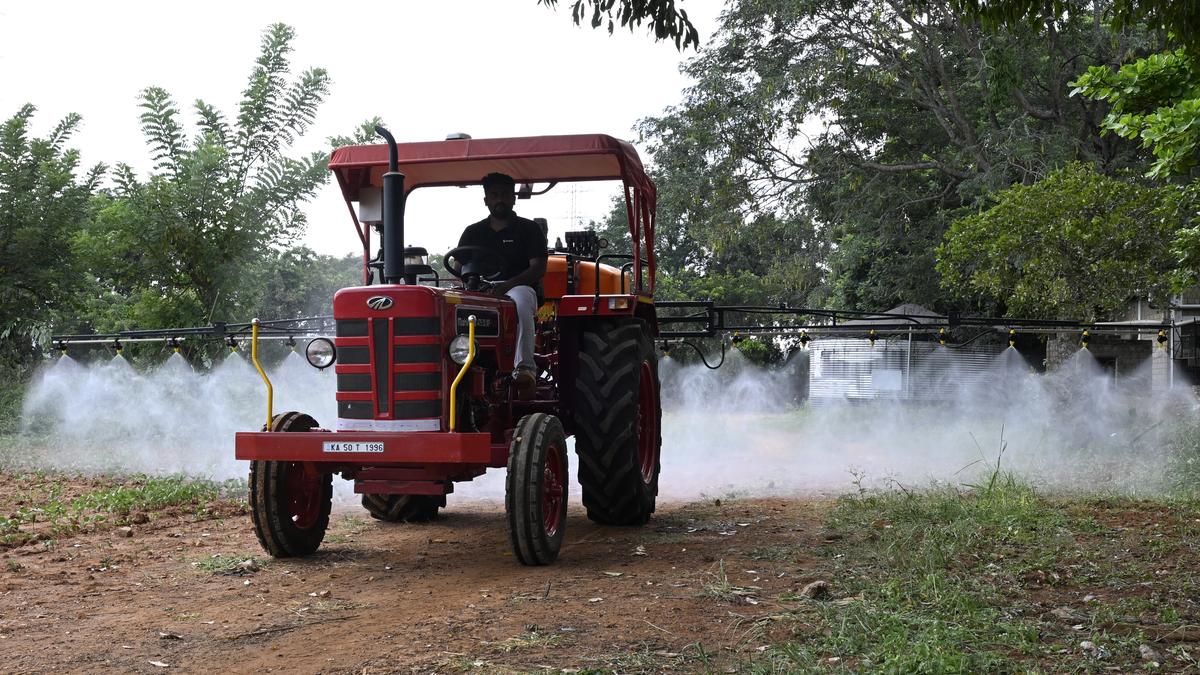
column 733, row 431
column 111, row 418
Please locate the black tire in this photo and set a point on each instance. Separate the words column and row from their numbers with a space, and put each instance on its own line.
column 536, row 489
column 619, row 477
column 403, row 508
column 289, row 521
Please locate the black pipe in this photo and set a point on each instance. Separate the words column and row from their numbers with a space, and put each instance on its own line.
column 393, row 214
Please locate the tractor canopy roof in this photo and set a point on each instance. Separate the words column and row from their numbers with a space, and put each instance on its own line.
column 529, row 159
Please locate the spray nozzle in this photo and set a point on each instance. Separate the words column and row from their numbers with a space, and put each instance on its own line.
column 62, row 347
column 291, row 342
column 1085, row 339
column 872, row 336
column 1162, row 339
column 1012, row 337
column 116, row 346
column 737, row 338
column 232, row 343
column 174, row 342
column 942, row 336
column 804, row 339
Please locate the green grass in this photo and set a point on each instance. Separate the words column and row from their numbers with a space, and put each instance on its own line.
column 964, row 580
column 44, row 502
column 222, row 564
column 148, row 493
column 1183, row 467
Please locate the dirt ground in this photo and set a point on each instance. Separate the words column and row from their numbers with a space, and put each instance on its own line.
column 445, row 596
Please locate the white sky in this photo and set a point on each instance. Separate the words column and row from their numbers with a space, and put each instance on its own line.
column 427, row 67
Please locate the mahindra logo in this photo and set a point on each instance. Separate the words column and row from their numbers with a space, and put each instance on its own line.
column 379, row 302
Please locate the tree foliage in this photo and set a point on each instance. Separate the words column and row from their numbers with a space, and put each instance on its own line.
column 43, row 204
column 877, row 121
column 1180, row 18
column 1076, row 244
column 1155, row 100
column 660, row 16
column 299, row 282
column 178, row 245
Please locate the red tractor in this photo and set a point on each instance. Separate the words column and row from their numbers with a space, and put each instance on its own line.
column 425, row 395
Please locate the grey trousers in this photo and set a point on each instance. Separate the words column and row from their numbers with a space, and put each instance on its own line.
column 526, row 299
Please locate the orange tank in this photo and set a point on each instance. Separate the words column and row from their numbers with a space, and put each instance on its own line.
column 555, row 281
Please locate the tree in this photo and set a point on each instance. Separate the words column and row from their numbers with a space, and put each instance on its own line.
column 1075, row 244
column 660, row 16
column 43, row 203
column 1181, row 19
column 174, row 248
column 879, row 120
column 1154, row 99
column 299, row 282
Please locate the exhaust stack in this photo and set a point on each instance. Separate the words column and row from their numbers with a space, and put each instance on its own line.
column 393, row 215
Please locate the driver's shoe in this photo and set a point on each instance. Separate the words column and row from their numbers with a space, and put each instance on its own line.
column 526, row 384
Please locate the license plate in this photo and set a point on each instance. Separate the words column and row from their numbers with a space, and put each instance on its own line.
column 352, row 446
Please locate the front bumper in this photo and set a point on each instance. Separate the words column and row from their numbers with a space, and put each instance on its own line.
column 397, row 447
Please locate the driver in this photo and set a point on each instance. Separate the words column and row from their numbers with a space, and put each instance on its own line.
column 522, row 245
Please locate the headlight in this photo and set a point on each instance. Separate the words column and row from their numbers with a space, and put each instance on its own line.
column 460, row 347
column 320, row 352
column 416, row 255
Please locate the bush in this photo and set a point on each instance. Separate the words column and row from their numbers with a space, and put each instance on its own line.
column 13, row 382
column 1183, row 461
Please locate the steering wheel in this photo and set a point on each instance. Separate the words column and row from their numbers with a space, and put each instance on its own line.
column 467, row 261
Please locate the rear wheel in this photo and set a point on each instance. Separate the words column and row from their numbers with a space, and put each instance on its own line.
column 617, row 416
column 290, row 501
column 403, row 508
column 535, row 495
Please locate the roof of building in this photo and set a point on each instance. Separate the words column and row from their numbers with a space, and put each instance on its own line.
column 907, row 312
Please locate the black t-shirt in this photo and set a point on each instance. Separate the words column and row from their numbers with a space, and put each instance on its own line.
column 519, row 242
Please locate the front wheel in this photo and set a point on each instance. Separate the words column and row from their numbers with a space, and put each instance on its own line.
column 290, row 501
column 535, row 495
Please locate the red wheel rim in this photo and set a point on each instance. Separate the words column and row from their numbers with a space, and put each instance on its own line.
column 554, row 490
column 647, row 424
column 303, row 494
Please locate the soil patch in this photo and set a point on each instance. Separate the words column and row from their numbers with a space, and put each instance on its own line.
column 177, row 590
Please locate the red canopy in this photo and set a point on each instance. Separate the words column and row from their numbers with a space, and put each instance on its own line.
column 465, row 162
column 531, row 159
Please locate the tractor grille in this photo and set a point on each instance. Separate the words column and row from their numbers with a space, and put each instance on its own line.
column 352, row 328
column 380, row 336
column 410, row 345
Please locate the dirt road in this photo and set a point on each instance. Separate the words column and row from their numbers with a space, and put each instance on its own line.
column 172, row 593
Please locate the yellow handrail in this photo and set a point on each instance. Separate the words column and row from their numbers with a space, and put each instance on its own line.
column 263, row 373
column 462, row 371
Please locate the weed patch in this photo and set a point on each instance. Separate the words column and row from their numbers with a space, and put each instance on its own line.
column 531, row 640
column 47, row 504
column 992, row 577
column 1183, row 459
column 151, row 493
column 230, row 565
